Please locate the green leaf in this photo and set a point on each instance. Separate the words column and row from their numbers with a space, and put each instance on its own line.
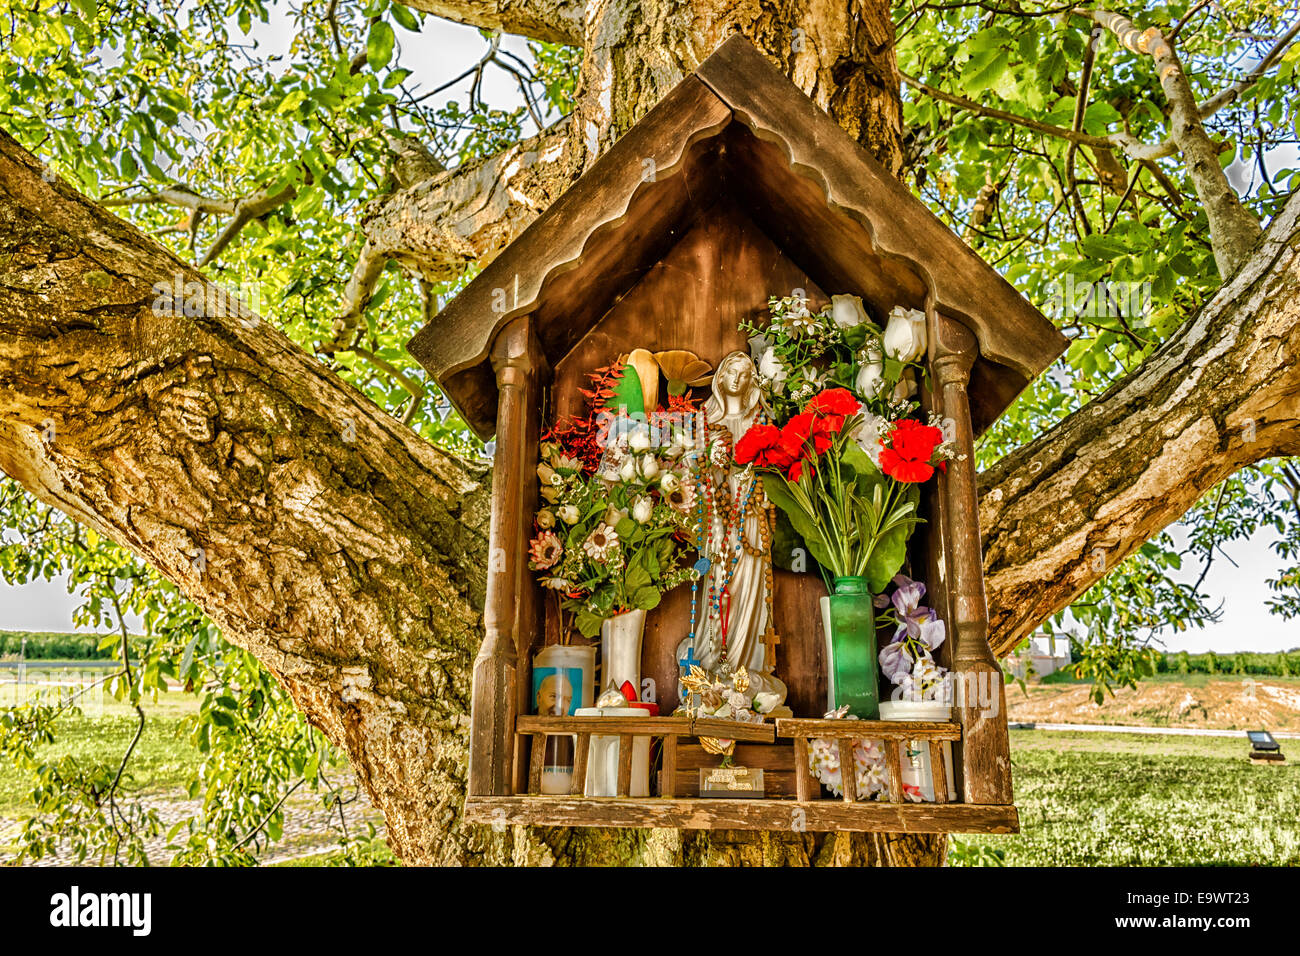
column 777, row 492
column 982, row 71
column 891, row 550
column 1100, row 246
column 379, row 45
column 405, row 17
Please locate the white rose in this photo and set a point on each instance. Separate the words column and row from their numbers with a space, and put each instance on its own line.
column 847, row 311
column 545, row 519
column 868, row 436
column 905, row 334
column 765, row 701
column 642, row 508
column 904, row 390
column 614, row 515
column 569, row 514
column 771, row 368
column 871, row 378
column 649, row 467
column 627, row 471
column 639, row 440
column 669, row 483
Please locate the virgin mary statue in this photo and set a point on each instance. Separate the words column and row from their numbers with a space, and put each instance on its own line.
column 737, row 571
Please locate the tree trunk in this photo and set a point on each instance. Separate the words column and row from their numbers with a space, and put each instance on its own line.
column 350, row 556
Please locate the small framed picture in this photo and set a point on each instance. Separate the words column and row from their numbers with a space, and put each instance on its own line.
column 555, row 690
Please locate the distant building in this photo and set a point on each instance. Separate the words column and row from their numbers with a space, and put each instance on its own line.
column 1045, row 654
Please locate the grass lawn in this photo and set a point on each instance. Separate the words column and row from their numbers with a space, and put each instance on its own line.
column 163, row 758
column 1098, row 799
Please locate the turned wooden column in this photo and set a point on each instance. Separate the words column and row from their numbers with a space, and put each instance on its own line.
column 511, row 614
column 985, row 759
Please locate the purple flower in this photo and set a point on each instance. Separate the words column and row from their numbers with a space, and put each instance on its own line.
column 895, row 661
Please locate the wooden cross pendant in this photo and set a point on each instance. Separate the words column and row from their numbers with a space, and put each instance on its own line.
column 770, row 640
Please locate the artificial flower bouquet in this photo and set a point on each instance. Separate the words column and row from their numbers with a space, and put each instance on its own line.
column 616, row 522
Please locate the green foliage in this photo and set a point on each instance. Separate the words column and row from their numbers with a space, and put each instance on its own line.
column 1276, row 664
column 44, row 646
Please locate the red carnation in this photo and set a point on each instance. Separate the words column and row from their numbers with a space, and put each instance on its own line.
column 907, row 456
column 761, row 446
column 834, row 401
column 796, row 470
column 795, row 434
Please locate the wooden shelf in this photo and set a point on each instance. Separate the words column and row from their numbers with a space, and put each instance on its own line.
column 868, row 729
column 648, row 727
column 703, row 814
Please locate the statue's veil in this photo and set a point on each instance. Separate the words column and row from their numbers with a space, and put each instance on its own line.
column 714, row 408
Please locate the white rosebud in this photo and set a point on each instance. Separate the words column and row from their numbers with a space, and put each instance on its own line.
column 627, row 471
column 614, row 515
column 649, row 467
column 847, row 311
column 669, row 483
column 639, row 440
column 905, row 334
column 568, row 514
column 871, row 378
column 642, row 508
column 545, row 519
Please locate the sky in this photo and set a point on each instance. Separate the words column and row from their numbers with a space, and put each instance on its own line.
column 443, row 50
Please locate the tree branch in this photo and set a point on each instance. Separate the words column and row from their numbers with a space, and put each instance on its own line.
column 1233, row 230
column 1230, row 94
column 556, row 21
column 1223, row 392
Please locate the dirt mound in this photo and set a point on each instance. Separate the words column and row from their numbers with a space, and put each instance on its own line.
column 1229, row 704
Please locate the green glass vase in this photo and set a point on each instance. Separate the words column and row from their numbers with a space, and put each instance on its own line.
column 849, row 620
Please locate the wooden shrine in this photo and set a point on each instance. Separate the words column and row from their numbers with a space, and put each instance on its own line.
column 734, row 187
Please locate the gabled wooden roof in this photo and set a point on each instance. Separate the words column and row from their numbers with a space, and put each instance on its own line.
column 737, row 126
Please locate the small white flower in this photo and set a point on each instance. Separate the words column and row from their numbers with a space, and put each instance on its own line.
column 627, row 471
column 669, row 482
column 642, row 509
column 649, row 467
column 639, row 439
column 905, row 334
column 568, row 514
column 847, row 311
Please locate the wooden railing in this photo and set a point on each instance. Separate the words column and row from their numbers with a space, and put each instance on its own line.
column 626, row 728
column 845, row 732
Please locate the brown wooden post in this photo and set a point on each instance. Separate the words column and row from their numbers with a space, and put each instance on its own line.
column 510, row 617
column 981, row 701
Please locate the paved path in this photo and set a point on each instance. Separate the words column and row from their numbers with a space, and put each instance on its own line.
column 309, row 828
column 1126, row 729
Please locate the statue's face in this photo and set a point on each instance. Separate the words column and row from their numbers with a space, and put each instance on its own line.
column 737, row 377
